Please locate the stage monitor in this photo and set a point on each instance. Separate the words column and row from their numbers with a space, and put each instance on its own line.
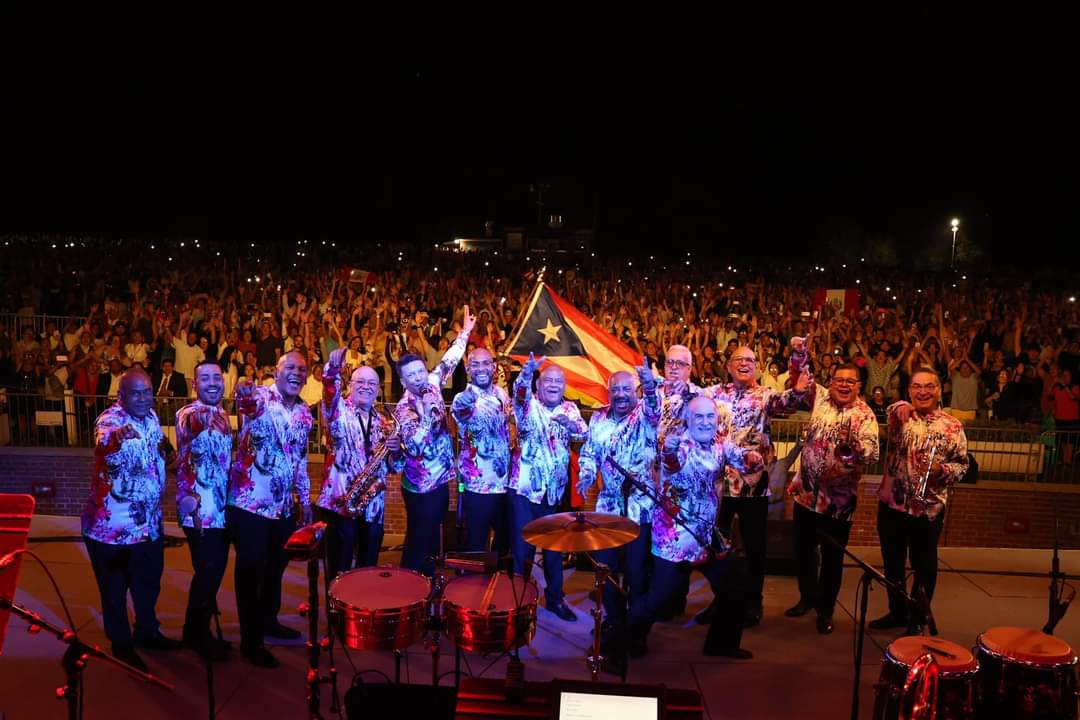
column 595, row 701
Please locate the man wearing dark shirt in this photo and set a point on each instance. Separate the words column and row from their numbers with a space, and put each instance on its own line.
column 266, row 346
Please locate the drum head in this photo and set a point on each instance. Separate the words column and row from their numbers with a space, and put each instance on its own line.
column 907, row 650
column 376, row 588
column 467, row 591
column 1027, row 645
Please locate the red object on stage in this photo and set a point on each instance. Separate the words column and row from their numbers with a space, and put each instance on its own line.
column 15, row 514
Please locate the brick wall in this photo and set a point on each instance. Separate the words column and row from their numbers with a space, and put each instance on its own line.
column 989, row 514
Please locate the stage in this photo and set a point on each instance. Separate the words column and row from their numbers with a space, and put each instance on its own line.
column 795, row 671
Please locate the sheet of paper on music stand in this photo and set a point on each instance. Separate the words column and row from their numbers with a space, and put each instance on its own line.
column 590, row 706
column 15, row 514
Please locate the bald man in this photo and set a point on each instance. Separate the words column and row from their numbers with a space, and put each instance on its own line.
column 546, row 423
column 482, row 413
column 122, row 521
column 623, row 435
column 267, row 482
column 354, row 429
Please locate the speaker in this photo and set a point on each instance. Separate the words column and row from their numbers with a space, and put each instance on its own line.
column 365, row 701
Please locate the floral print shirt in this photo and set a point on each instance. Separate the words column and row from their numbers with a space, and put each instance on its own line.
column 908, row 457
column 205, row 441
column 484, row 435
column 124, row 506
column 541, row 461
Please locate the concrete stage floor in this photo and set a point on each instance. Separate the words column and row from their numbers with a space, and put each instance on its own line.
column 795, row 671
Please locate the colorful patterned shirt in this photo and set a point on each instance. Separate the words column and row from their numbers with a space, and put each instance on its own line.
column 484, row 434
column 351, row 435
column 541, row 462
column 205, row 441
column 632, row 442
column 671, row 409
column 271, row 460
column 429, row 449
column 824, row 483
column 124, row 506
column 908, row 457
column 688, row 489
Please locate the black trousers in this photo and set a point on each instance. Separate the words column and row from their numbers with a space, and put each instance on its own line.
column 260, row 563
column 350, row 542
column 522, row 511
column 633, row 561
column 484, row 513
column 209, row 556
column 814, row 589
column 120, row 569
column 727, row 579
column 424, row 516
column 903, row 536
column 753, row 515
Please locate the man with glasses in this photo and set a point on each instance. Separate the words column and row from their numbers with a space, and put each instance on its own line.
column 482, row 413
column 841, row 440
column 924, row 442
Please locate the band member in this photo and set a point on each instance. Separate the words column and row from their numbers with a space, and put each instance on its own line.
column 270, row 468
column 622, row 436
column 745, row 408
column 482, row 413
column 692, row 464
column 546, row 423
column 676, row 389
column 354, row 430
column 924, row 443
column 122, row 522
column 429, row 450
column 204, row 440
column 841, row 439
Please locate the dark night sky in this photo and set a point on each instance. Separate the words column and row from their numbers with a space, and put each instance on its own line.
column 776, row 128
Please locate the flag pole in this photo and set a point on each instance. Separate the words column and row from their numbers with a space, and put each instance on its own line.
column 524, row 313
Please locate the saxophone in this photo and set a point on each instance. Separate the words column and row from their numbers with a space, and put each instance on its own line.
column 368, row 483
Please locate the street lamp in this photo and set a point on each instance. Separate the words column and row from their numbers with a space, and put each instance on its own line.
column 955, row 225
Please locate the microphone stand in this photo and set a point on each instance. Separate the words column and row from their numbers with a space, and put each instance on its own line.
column 1058, row 606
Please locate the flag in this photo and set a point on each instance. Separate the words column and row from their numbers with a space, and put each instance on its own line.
column 845, row 300
column 588, row 354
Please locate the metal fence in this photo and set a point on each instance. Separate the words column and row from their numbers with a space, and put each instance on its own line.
column 1003, row 453
column 16, row 323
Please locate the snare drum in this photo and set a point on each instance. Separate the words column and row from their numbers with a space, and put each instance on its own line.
column 957, row 672
column 507, row 622
column 1026, row 674
column 380, row 608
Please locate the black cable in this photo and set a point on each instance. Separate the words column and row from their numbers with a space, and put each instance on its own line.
column 59, row 595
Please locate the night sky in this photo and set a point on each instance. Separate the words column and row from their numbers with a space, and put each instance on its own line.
column 758, row 134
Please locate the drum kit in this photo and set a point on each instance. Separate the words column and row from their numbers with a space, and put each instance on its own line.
column 1015, row 673
column 390, row 609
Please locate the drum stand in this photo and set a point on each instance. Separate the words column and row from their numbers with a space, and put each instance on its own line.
column 315, row 680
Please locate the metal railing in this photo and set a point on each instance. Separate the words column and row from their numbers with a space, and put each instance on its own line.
column 16, row 323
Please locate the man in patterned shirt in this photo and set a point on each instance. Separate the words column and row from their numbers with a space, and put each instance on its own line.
column 122, row 523
column 204, row 439
column 270, row 469
column 623, row 434
column 482, row 413
column 692, row 465
column 429, row 450
column 546, row 424
column 922, row 439
column 354, row 429
column 841, row 439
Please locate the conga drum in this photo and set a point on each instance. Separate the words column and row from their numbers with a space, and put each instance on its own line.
column 956, row 685
column 1026, row 674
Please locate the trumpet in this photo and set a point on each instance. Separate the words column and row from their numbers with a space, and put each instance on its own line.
column 924, row 481
column 368, row 483
column 846, row 450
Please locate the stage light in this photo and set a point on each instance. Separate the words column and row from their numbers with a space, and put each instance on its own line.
column 1072, row 299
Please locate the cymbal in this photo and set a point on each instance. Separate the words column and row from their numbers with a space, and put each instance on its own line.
column 580, row 531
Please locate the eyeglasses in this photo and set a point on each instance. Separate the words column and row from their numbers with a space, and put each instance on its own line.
column 846, row 382
column 928, row 386
column 743, row 359
column 677, row 364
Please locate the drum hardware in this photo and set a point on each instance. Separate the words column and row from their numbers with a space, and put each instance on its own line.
column 307, row 544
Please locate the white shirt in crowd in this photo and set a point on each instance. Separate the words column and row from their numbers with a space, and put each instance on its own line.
column 136, row 352
column 187, row 357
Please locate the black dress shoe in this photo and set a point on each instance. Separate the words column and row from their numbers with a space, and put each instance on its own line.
column 705, row 617
column 737, row 653
column 279, row 631
column 260, row 657
column 127, row 654
column 824, row 625
column 914, row 629
column 614, row 663
column 889, row 621
column 798, row 609
column 753, row 617
column 157, row 641
column 563, row 612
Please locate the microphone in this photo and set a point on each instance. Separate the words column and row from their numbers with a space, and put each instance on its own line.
column 189, row 507
column 1057, row 613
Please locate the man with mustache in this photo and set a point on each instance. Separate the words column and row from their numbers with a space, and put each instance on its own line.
column 841, row 439
column 623, row 435
column 482, row 413
column 204, row 439
column 270, row 468
column 546, row 423
column 922, row 439
column 353, row 429
column 122, row 522
column 429, row 450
